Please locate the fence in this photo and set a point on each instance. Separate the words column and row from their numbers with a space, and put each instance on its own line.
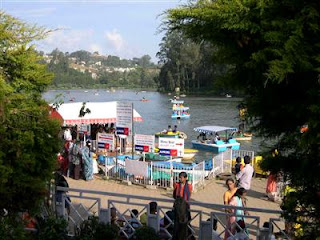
column 84, row 203
column 159, row 174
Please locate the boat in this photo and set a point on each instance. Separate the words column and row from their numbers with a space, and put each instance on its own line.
column 239, row 136
column 218, row 145
column 86, row 91
column 189, row 154
column 177, row 134
column 175, row 101
column 183, row 95
column 144, row 100
column 228, row 95
column 180, row 113
column 96, row 94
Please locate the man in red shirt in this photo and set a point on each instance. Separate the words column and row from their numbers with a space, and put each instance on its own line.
column 179, row 188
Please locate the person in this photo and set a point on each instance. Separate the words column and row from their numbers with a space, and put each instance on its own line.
column 67, row 134
column 238, row 167
column 182, row 193
column 76, row 160
column 245, row 175
column 217, row 137
column 271, row 188
column 238, row 200
column 169, row 128
column 133, row 221
column 175, row 129
column 87, row 162
column 230, row 192
column 153, row 210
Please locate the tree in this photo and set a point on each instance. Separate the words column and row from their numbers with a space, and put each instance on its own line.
column 274, row 50
column 29, row 138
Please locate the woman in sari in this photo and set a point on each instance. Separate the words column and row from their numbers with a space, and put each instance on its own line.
column 87, row 162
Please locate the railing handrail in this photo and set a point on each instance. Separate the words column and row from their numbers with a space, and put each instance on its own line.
column 195, row 203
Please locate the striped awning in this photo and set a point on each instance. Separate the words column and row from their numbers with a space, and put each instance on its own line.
column 100, row 113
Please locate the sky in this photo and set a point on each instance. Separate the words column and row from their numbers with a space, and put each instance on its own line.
column 125, row 28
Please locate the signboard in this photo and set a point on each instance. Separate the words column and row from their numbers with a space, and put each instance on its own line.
column 124, row 117
column 144, row 143
column 105, row 141
column 84, row 128
column 171, row 147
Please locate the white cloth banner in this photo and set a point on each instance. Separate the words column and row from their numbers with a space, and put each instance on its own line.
column 137, row 168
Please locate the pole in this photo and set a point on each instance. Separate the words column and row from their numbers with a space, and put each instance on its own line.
column 132, row 132
column 116, row 154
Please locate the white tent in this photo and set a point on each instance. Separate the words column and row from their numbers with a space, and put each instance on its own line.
column 101, row 113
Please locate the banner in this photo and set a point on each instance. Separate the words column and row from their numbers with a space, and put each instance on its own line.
column 171, row 147
column 124, row 118
column 137, row 168
column 144, row 143
column 105, row 141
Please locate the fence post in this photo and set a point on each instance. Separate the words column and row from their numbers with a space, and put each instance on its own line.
column 193, row 181
column 151, row 170
column 171, row 175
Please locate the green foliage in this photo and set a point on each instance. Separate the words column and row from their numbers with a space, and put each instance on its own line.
column 274, row 48
column 190, row 65
column 29, row 138
column 93, row 229
column 146, row 233
column 10, row 229
column 52, row 228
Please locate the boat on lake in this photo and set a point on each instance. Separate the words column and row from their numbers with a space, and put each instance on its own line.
column 180, row 113
column 209, row 139
column 175, row 101
column 171, row 134
column 239, row 136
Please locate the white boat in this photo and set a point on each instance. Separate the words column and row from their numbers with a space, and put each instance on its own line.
column 183, row 95
column 86, row 91
column 228, row 95
column 212, row 145
column 175, row 101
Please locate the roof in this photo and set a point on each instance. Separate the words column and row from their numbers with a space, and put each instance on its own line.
column 101, row 113
column 180, row 108
column 213, row 129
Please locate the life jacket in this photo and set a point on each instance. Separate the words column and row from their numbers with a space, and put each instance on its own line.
column 186, row 191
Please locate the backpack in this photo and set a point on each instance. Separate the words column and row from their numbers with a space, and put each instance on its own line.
column 181, row 208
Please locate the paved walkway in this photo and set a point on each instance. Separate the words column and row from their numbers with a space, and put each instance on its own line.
column 211, row 193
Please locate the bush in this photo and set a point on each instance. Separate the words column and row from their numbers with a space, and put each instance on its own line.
column 93, row 229
column 52, row 229
column 12, row 229
column 146, row 233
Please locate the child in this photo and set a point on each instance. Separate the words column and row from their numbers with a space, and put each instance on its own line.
column 238, row 167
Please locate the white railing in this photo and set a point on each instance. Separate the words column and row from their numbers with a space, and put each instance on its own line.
column 124, row 204
column 159, row 174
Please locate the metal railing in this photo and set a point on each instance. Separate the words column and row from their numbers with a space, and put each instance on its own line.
column 124, row 204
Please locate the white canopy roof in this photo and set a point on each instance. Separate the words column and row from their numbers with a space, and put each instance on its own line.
column 101, row 112
column 213, row 129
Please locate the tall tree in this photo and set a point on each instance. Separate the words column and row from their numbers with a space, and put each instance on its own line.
column 274, row 48
column 29, row 138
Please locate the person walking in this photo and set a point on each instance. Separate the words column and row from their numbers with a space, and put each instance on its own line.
column 245, row 175
column 226, row 200
column 87, row 162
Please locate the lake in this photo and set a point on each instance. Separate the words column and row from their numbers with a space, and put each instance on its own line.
column 156, row 113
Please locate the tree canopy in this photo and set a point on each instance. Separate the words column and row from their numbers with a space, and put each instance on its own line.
column 274, row 48
column 29, row 138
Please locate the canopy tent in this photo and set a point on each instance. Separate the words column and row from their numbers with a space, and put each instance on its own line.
column 213, row 129
column 100, row 113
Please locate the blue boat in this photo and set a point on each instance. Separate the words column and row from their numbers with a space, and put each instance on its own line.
column 180, row 113
column 208, row 139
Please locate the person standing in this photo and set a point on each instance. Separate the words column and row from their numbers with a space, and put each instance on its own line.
column 182, row 193
column 245, row 175
column 76, row 160
column 87, row 162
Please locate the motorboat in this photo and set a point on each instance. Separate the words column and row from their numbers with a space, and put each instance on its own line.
column 189, row 154
column 180, row 113
column 209, row 139
column 239, row 136
column 144, row 100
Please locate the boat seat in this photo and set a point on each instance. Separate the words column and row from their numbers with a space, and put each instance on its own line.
column 219, row 142
column 232, row 141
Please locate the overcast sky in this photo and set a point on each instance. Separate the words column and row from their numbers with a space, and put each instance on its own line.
column 126, row 28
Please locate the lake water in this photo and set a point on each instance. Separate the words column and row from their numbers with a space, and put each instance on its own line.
column 156, row 113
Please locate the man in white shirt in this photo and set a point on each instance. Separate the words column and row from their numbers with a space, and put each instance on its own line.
column 245, row 175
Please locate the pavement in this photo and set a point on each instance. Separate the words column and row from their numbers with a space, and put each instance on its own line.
column 212, row 193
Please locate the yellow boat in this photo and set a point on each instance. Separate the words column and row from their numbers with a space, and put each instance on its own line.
column 176, row 134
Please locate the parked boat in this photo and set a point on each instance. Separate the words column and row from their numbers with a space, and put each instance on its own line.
column 144, row 100
column 175, row 101
column 177, row 134
column 206, row 132
column 183, row 95
column 239, row 136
